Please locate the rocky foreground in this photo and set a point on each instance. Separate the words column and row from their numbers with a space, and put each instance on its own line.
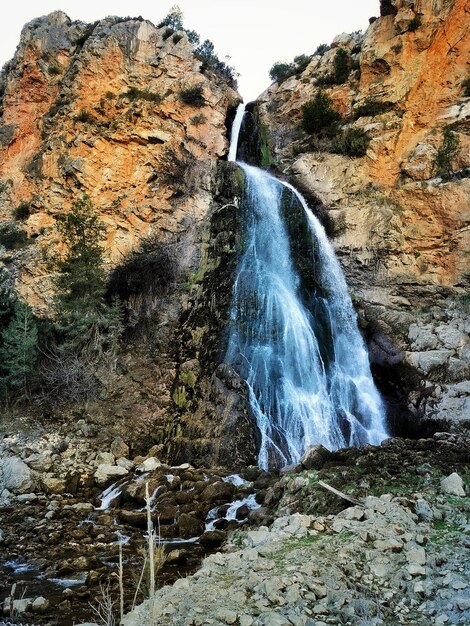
column 389, row 549
column 397, row 557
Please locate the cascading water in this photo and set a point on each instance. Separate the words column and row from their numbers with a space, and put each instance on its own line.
column 303, row 357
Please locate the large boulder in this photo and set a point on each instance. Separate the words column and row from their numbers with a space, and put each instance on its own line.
column 314, row 457
column 15, row 476
column 106, row 472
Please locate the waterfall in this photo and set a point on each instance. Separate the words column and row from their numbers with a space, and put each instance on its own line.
column 303, row 358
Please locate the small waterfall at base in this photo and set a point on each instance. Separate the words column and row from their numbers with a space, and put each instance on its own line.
column 303, row 358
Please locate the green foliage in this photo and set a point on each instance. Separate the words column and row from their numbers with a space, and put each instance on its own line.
column 341, row 66
column 415, row 23
column 86, row 322
column 352, row 142
column 280, row 72
column 53, row 70
column 198, row 119
column 204, row 51
column 19, row 350
column 372, row 108
column 341, row 69
column 318, row 115
column 322, row 49
column 84, row 117
column 210, row 61
column 22, row 211
column 12, row 237
column 143, row 279
column 447, row 153
column 134, row 93
column 194, row 96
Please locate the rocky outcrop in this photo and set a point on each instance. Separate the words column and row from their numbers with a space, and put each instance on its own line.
column 401, row 230
column 101, row 109
column 394, row 557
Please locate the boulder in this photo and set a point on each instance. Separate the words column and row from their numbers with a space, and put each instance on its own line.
column 314, row 457
column 189, row 526
column 52, row 484
column 40, row 605
column 149, row 465
column 217, row 491
column 15, row 476
column 212, row 538
column 453, row 485
column 106, row 472
column 119, row 448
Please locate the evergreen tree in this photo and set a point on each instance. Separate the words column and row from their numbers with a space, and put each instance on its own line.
column 87, row 322
column 19, row 351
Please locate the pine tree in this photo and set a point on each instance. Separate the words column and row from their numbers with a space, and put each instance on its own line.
column 87, row 323
column 19, row 351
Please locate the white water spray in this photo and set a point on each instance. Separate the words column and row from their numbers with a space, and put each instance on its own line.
column 304, row 360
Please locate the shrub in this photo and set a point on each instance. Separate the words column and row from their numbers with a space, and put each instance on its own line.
column 198, row 119
column 415, row 23
column 352, row 142
column 321, row 49
column 143, row 278
column 318, row 115
column 53, row 70
column 447, row 153
column 280, row 72
column 341, row 66
column 372, row 108
column 12, row 237
column 134, row 93
column 210, row 61
column 194, row 96
column 84, row 117
column 22, row 211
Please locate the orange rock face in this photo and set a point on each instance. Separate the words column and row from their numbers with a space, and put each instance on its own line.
column 415, row 63
column 98, row 110
column 402, row 229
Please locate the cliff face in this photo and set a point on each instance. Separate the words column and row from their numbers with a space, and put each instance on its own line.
column 126, row 113
column 100, row 109
column 402, row 231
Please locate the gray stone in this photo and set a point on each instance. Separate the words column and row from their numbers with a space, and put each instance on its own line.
column 314, row 457
column 15, row 476
column 423, row 510
column 416, row 556
column 451, row 337
column 453, row 485
column 149, row 465
column 106, row 472
column 426, row 361
column 422, row 338
column 40, row 604
column 119, row 448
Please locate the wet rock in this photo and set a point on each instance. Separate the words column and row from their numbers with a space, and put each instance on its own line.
column 106, row 473
column 314, row 457
column 189, row 526
column 217, row 491
column 212, row 538
column 134, row 518
column 40, row 605
column 453, row 485
column 261, row 517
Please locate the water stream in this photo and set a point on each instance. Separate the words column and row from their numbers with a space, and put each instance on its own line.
column 303, row 358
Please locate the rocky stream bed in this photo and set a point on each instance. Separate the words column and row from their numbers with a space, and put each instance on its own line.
column 297, row 554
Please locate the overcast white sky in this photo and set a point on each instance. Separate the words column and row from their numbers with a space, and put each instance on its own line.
column 254, row 33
